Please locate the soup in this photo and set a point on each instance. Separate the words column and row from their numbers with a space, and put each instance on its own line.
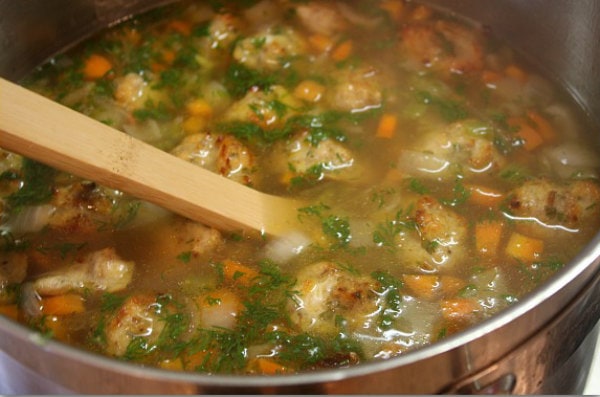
column 444, row 180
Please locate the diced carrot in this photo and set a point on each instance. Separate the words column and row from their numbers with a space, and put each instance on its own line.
column 57, row 326
column 133, row 36
column 543, row 126
column 267, row 366
column 172, row 364
column 488, row 236
column 157, row 67
column 516, row 73
column 342, row 51
column 387, row 126
column 309, row 90
column 237, row 273
column 10, row 311
column 61, row 305
column 320, row 42
column 180, row 27
column 483, row 195
column 393, row 7
column 450, row 285
column 195, row 360
column 168, row 56
column 524, row 248
column 194, row 124
column 199, row 107
column 458, row 308
column 96, row 66
column 531, row 138
column 422, row 285
column 421, row 13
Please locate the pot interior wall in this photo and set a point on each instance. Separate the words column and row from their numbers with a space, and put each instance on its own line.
column 560, row 38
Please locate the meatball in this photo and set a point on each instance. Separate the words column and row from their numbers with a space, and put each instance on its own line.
column 184, row 235
column 324, row 290
column 543, row 206
column 131, row 91
column 447, row 47
column 356, row 89
column 266, row 108
column 442, row 231
column 442, row 151
column 101, row 270
column 269, row 49
column 218, row 153
column 328, row 158
column 81, row 207
column 136, row 318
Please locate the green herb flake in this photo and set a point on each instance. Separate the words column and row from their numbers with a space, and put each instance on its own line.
column 110, row 302
column 460, row 195
column 212, row 301
column 63, row 248
column 468, row 291
column 448, row 109
column 159, row 112
column 37, row 187
column 124, row 215
column 239, row 79
column 337, row 228
column 185, row 256
column 138, row 348
column 515, row 175
column 417, row 186
column 390, row 289
column 385, row 233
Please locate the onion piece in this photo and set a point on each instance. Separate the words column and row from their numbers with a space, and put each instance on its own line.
column 287, row 246
column 564, row 120
column 30, row 219
column 569, row 158
column 31, row 301
column 148, row 131
column 421, row 163
column 146, row 214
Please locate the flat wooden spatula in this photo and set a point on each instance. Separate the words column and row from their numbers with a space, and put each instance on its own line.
column 45, row 131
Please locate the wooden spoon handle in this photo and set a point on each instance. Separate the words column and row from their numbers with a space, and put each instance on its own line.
column 43, row 130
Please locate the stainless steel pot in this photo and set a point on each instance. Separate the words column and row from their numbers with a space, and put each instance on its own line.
column 542, row 345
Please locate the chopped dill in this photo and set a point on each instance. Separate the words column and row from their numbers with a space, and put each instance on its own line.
column 37, row 187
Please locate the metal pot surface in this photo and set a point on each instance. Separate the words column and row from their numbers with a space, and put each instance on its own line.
column 540, row 345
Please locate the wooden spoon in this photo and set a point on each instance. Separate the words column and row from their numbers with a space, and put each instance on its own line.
column 43, row 130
